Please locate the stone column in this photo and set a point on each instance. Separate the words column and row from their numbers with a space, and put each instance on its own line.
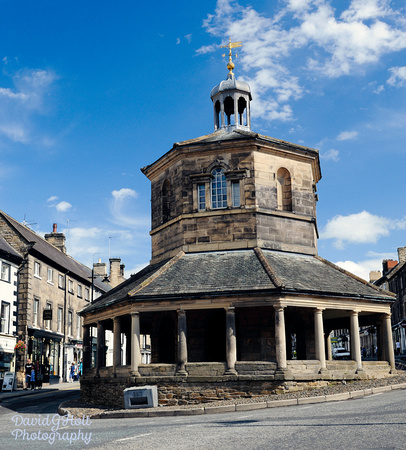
column 388, row 341
column 87, row 349
column 128, row 348
column 135, row 343
column 101, row 346
column 231, row 342
column 355, row 341
column 328, row 347
column 280, row 338
column 319, row 338
column 182, row 343
column 116, row 343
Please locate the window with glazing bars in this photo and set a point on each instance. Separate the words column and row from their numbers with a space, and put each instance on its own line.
column 218, row 189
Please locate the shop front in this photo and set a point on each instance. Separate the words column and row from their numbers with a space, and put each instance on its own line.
column 7, row 361
column 44, row 351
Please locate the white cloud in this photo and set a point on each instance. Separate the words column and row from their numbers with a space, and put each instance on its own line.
column 347, row 135
column 124, row 193
column 361, row 268
column 206, row 49
column 124, row 210
column 379, row 89
column 54, row 198
column 63, row 206
column 360, row 228
column 330, row 155
column 177, row 41
column 309, row 37
column 6, row 92
column 18, row 106
column 188, row 37
column 398, row 76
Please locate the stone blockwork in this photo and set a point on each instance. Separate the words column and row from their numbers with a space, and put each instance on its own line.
column 109, row 392
column 207, row 383
column 177, row 224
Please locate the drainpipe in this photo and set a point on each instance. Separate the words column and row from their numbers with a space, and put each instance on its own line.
column 19, row 270
column 64, row 331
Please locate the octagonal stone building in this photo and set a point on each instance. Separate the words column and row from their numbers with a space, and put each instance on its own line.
column 235, row 300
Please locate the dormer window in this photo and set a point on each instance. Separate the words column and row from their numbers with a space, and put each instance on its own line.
column 218, row 189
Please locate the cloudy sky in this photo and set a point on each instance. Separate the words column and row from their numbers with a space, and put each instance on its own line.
column 90, row 92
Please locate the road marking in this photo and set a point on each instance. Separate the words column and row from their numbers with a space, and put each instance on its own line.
column 133, row 437
column 245, row 417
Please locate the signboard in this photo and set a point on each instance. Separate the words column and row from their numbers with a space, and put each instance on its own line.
column 47, row 314
column 403, row 324
column 8, row 381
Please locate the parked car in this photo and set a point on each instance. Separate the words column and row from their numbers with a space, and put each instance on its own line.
column 341, row 353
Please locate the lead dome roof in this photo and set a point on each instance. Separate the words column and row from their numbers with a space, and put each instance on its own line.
column 231, row 83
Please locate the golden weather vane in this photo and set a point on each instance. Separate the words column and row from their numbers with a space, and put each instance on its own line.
column 230, row 46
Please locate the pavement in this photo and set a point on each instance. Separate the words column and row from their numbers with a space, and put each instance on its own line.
column 46, row 388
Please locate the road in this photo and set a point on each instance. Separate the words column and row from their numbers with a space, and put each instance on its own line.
column 376, row 421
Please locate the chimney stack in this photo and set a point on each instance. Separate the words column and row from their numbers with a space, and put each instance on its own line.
column 116, row 272
column 387, row 265
column 56, row 239
column 100, row 269
column 374, row 275
column 402, row 254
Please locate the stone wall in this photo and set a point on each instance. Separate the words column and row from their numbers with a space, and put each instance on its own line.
column 207, row 383
column 256, row 222
column 109, row 392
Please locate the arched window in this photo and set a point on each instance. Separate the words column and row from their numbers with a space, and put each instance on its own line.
column 284, row 190
column 218, row 188
column 166, row 206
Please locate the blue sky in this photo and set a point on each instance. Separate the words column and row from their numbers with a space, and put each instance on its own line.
column 90, row 92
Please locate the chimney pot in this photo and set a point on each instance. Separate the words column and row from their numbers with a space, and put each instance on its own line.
column 55, row 227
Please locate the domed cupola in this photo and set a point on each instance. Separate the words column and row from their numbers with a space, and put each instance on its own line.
column 231, row 100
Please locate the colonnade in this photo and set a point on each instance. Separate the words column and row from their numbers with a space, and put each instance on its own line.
column 322, row 342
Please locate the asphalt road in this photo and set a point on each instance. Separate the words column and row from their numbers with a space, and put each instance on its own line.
column 373, row 422
column 41, row 401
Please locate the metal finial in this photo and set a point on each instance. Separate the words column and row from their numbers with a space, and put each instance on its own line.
column 231, row 45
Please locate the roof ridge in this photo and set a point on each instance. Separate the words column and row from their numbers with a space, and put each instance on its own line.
column 156, row 274
column 366, row 283
column 268, row 269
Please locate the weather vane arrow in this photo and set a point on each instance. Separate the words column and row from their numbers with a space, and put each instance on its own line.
column 230, row 46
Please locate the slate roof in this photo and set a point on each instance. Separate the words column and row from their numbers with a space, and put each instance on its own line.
column 47, row 250
column 7, row 251
column 239, row 272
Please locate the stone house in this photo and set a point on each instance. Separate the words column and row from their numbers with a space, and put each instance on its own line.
column 52, row 288
column 10, row 260
column 235, row 300
column 394, row 279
